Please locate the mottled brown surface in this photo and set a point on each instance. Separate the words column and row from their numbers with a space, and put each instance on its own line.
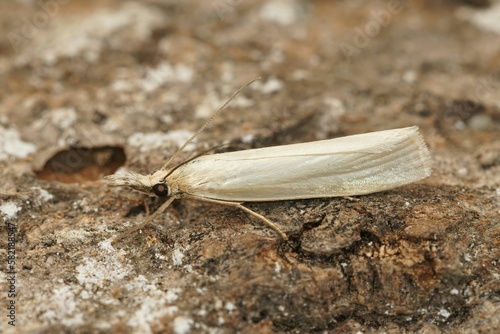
column 98, row 75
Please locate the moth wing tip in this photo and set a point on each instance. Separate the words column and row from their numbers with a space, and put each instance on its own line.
column 424, row 152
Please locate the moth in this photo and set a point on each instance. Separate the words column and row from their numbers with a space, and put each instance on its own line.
column 340, row 167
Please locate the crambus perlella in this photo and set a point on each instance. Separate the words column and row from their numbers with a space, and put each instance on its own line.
column 346, row 166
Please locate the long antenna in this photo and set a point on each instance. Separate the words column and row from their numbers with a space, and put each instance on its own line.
column 207, row 122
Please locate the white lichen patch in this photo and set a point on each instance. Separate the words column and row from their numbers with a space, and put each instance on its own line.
column 486, row 19
column 157, row 140
column 11, row 145
column 9, row 210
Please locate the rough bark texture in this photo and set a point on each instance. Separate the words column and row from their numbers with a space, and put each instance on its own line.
column 90, row 86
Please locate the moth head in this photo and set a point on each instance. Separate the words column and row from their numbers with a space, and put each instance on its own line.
column 151, row 185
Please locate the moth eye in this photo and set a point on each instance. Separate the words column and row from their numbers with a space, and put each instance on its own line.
column 160, row 189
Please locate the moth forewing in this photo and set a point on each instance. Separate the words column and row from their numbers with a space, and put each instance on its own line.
column 347, row 166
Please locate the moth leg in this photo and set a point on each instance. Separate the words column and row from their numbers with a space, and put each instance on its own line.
column 242, row 208
column 146, row 207
column 146, row 221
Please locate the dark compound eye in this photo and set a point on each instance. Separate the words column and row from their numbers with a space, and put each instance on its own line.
column 160, row 189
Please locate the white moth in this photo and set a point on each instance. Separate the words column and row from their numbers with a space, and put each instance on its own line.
column 347, row 166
